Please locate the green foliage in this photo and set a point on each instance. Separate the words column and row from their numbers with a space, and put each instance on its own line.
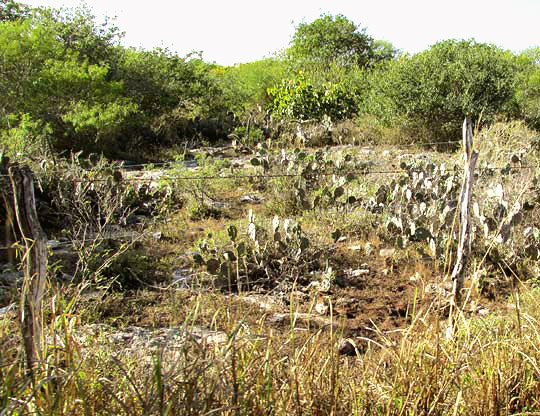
column 77, row 30
column 384, row 51
column 528, row 89
column 280, row 257
column 245, row 85
column 25, row 136
column 67, row 71
column 248, row 136
column 43, row 79
column 321, row 181
column 328, row 61
column 331, row 39
column 199, row 195
column 299, row 98
column 161, row 82
column 434, row 90
column 12, row 10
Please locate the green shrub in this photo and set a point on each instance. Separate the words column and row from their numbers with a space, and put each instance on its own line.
column 299, row 98
column 528, row 89
column 25, row 137
column 331, row 39
column 431, row 92
column 245, row 86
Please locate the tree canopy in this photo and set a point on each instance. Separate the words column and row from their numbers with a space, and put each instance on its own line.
column 61, row 70
column 67, row 81
column 11, row 10
column 437, row 88
column 332, row 39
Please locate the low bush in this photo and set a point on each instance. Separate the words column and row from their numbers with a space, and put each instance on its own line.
column 433, row 91
column 300, row 99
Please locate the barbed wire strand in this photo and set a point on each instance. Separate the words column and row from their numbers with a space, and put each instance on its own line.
column 490, row 169
column 366, row 147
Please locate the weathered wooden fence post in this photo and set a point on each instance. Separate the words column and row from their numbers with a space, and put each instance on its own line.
column 34, row 262
column 464, row 245
column 8, row 227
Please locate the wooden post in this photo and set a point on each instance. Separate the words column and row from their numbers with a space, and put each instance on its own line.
column 464, row 245
column 34, row 263
column 8, row 228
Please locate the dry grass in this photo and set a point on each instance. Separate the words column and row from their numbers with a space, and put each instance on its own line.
column 492, row 367
column 258, row 366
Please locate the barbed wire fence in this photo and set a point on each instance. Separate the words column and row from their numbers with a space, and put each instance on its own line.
column 34, row 240
column 361, row 172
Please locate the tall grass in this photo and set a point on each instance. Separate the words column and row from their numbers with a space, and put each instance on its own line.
column 491, row 367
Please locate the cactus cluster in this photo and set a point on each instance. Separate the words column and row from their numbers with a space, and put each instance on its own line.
column 264, row 257
column 316, row 180
column 419, row 205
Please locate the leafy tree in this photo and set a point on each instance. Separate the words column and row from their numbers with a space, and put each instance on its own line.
column 528, row 89
column 299, row 98
column 328, row 62
column 44, row 83
column 169, row 90
column 332, row 39
column 68, row 75
column 384, row 51
column 435, row 89
column 12, row 10
column 77, row 30
column 245, row 85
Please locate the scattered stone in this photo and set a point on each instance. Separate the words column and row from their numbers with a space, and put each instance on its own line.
column 342, row 238
column 53, row 244
column 216, row 338
column 11, row 278
column 266, row 303
column 444, row 288
column 355, row 248
column 219, row 205
column 139, row 338
column 7, row 309
column 385, row 153
column 251, row 199
column 322, row 307
column 121, row 337
column 182, row 278
column 387, row 252
column 136, row 219
column 359, row 272
column 475, row 307
column 302, row 319
column 351, row 347
column 368, row 249
column 298, row 297
column 191, row 163
column 156, row 235
column 415, row 277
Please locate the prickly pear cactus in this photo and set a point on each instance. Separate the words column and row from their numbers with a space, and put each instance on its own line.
column 277, row 256
column 311, row 180
column 420, row 205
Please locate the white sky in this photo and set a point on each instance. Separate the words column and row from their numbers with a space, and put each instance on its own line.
column 233, row 31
